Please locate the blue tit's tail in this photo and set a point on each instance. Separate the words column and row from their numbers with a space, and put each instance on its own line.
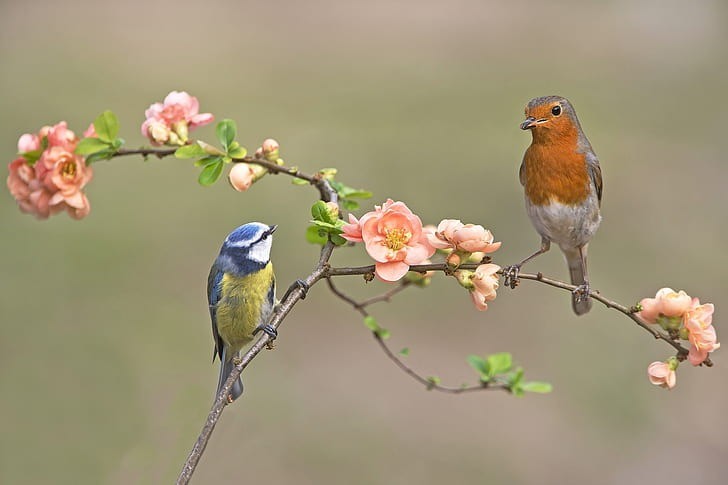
column 226, row 367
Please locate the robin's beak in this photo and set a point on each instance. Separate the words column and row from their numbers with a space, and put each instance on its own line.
column 528, row 123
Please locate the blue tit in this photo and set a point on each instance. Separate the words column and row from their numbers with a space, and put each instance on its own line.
column 241, row 291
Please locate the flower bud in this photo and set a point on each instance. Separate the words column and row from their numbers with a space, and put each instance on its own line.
column 454, row 259
column 270, row 149
column 180, row 127
column 333, row 210
column 465, row 279
column 242, row 176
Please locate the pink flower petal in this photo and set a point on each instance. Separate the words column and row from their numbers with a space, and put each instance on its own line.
column 392, row 271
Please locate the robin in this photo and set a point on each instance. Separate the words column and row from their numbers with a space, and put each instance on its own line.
column 562, row 181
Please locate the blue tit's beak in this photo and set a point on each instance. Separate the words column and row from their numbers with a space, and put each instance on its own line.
column 271, row 229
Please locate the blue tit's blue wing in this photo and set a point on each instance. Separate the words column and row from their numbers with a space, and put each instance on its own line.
column 213, row 297
column 272, row 293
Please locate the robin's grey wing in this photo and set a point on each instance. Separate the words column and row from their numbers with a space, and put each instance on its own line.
column 595, row 173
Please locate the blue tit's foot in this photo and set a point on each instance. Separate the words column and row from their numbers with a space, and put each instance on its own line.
column 270, row 331
column 510, row 275
column 581, row 293
column 297, row 284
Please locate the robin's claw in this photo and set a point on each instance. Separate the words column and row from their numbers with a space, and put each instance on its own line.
column 510, row 275
column 581, row 292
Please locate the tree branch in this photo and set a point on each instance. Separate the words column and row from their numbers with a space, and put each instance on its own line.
column 630, row 312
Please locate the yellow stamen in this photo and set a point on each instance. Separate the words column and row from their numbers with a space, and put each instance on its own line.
column 68, row 170
column 396, row 238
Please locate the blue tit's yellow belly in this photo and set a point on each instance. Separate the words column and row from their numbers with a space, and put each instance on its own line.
column 243, row 306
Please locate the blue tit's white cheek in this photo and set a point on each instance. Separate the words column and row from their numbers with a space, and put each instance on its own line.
column 260, row 252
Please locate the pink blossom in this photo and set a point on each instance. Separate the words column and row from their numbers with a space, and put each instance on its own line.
column 169, row 122
column 473, row 238
column 28, row 143
column 54, row 183
column 60, row 136
column 470, row 238
column 90, row 132
column 70, row 174
column 701, row 333
column 485, row 283
column 667, row 302
column 352, row 230
column 19, row 178
column 393, row 237
column 662, row 374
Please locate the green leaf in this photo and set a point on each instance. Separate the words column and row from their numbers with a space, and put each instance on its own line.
column 204, row 162
column 383, row 333
column 350, row 205
column 237, row 152
column 481, row 365
column 319, row 211
column 357, row 193
column 296, row 181
column 107, row 126
column 338, row 240
column 500, row 363
column 88, row 146
column 32, row 156
column 102, row 155
column 226, row 131
column 537, row 386
column 211, row 172
column 118, row 143
column 190, row 151
column 371, row 323
column 433, row 381
column 405, row 351
column 314, row 235
column 514, row 378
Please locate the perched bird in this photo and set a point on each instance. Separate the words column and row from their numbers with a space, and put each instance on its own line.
column 562, row 181
column 241, row 291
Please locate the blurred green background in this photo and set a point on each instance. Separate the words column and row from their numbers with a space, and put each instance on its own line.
column 105, row 344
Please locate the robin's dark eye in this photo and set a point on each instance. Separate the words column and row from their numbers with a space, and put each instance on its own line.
column 556, row 110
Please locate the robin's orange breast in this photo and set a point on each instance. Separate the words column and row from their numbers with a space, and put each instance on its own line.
column 555, row 173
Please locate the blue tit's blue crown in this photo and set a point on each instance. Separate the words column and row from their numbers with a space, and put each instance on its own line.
column 246, row 249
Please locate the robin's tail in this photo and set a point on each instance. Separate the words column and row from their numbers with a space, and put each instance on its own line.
column 577, row 270
column 226, row 367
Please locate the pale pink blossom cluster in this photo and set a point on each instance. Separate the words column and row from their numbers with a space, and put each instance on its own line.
column 170, row 122
column 679, row 313
column 53, row 178
column 683, row 317
column 392, row 236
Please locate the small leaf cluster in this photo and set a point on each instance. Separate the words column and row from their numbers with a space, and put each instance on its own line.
column 210, row 158
column 498, row 369
column 106, row 142
column 371, row 323
column 325, row 225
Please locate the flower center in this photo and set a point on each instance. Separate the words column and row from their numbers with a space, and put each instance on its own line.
column 68, row 169
column 396, row 238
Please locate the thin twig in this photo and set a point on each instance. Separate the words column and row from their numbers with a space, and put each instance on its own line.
column 429, row 383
